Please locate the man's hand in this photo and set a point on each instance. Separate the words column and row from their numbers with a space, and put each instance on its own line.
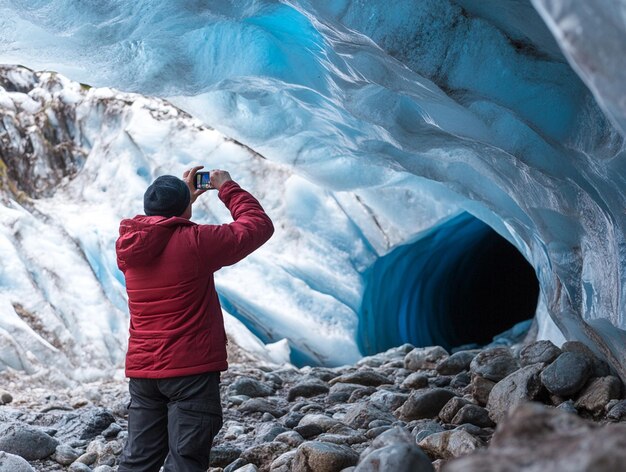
column 189, row 176
column 219, row 177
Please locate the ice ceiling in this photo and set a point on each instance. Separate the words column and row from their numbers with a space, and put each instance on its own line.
column 416, row 110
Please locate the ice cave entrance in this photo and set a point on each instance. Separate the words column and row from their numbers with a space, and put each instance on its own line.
column 460, row 283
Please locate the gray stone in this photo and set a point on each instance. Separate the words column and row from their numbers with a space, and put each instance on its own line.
column 314, row 456
column 308, row 431
column 250, row 387
column 415, row 380
column 79, row 467
column 65, row 454
column 264, row 454
column 567, row 374
column 451, row 408
column 224, row 454
column 368, row 378
column 461, row 380
column 248, row 468
column 449, row 444
column 396, row 458
column 539, row 438
column 425, row 403
column 27, row 442
column 388, row 400
column 473, row 414
column 599, row 368
column 103, row 468
column 233, row 466
column 267, row 432
column 12, row 463
column 5, row 397
column 283, row 463
column 362, row 414
column 87, row 458
column 598, row 393
column 456, row 363
column 494, row 363
column 521, row 386
column 480, row 388
column 262, row 405
column 617, row 412
column 323, row 421
column 539, row 351
column 291, row 438
column 424, row 428
column 424, row 358
column 87, row 424
column 307, row 390
column 112, row 431
column 360, row 393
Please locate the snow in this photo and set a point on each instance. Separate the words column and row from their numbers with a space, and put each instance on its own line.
column 374, row 122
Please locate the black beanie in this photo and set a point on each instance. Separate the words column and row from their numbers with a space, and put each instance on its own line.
column 167, row 196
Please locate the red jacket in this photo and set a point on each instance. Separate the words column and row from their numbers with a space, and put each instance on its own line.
column 176, row 325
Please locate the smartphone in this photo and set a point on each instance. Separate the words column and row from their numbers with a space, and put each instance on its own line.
column 203, row 181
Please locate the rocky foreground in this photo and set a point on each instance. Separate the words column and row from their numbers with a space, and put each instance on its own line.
column 408, row 409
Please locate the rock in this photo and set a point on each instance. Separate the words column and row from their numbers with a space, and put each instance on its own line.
column 442, row 380
column 315, row 456
column 598, row 392
column 424, row 428
column 456, row 363
column 494, row 363
column 480, row 388
column 521, row 386
column 112, row 431
column 539, row 351
column 233, row 466
column 345, row 439
column 362, row 414
column 536, row 437
column 262, row 405
column 266, row 432
column 568, row 406
column 415, row 380
column 451, row 408
column 85, row 424
column 264, row 454
column 473, row 414
column 250, row 387
column 368, row 378
column 448, row 444
column 223, row 454
column 423, row 358
column 87, row 458
column 387, row 400
column 5, row 397
column 322, row 421
column 307, row 390
column 292, row 419
column 12, row 463
column 65, row 454
column 617, row 412
column 283, row 463
column 461, row 380
column 360, row 393
column 396, row 458
column 599, row 368
column 291, row 438
column 27, row 442
column 103, row 468
column 79, row 467
column 248, row 468
column 567, row 374
column 309, row 431
column 425, row 403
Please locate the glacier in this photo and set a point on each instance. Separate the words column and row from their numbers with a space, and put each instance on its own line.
column 362, row 126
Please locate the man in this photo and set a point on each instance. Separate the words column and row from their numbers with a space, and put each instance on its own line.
column 177, row 344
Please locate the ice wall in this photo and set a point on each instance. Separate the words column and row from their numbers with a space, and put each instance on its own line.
column 394, row 117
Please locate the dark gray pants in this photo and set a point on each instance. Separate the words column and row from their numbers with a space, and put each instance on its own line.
column 172, row 420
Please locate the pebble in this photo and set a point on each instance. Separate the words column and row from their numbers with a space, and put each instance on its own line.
column 315, row 456
column 539, row 351
column 250, row 387
column 494, row 364
column 456, row 363
column 415, row 381
column 425, row 358
column 425, row 403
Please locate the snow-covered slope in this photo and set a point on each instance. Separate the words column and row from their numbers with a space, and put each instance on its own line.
column 377, row 121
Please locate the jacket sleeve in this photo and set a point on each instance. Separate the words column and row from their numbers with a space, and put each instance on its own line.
column 222, row 245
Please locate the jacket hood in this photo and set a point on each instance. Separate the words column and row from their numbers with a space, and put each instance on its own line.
column 144, row 237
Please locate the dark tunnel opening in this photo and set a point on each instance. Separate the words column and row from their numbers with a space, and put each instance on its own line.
column 460, row 283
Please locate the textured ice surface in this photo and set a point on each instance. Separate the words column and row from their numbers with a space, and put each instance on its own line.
column 390, row 117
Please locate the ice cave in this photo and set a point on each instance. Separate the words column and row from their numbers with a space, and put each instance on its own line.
column 439, row 170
